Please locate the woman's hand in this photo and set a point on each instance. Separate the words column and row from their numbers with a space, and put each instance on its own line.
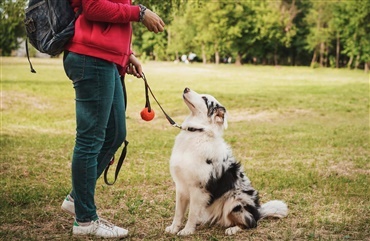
column 134, row 67
column 153, row 22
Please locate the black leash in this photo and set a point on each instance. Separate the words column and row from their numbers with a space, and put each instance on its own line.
column 119, row 165
column 170, row 120
column 147, row 104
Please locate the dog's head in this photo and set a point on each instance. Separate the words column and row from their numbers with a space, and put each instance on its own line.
column 243, row 210
column 205, row 108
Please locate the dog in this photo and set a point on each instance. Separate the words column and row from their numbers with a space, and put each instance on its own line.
column 209, row 181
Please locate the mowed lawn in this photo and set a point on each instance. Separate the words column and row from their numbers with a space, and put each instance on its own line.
column 302, row 135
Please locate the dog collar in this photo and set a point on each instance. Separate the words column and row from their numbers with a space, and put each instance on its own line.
column 193, row 129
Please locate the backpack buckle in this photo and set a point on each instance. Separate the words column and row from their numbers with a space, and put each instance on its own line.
column 30, row 25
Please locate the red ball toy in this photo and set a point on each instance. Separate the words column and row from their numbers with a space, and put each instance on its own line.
column 146, row 115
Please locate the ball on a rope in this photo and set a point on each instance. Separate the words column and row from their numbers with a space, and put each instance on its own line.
column 146, row 115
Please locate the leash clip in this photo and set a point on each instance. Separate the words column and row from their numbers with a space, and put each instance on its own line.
column 178, row 126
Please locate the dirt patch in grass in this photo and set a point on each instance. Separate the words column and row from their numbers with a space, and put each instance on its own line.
column 242, row 115
column 265, row 115
column 9, row 99
column 344, row 168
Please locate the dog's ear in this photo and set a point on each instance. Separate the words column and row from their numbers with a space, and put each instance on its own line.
column 225, row 120
column 221, row 117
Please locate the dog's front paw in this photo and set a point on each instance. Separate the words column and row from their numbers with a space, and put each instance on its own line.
column 172, row 229
column 186, row 231
column 232, row 230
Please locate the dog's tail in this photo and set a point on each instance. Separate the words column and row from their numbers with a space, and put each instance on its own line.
column 275, row 208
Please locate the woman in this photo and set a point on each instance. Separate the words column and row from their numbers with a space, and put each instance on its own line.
column 95, row 58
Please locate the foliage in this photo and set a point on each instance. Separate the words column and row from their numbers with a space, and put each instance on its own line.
column 283, row 32
column 272, row 32
column 11, row 25
column 356, row 15
column 182, row 35
column 150, row 45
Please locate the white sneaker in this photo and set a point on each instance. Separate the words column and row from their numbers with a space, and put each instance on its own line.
column 100, row 228
column 68, row 205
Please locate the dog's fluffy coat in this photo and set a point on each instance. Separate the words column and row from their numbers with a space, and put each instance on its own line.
column 209, row 181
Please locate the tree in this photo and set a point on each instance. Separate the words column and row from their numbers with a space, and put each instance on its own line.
column 220, row 28
column 298, row 53
column 319, row 34
column 11, row 25
column 212, row 26
column 151, row 44
column 356, row 32
column 243, row 32
column 182, row 32
column 336, row 24
column 276, row 24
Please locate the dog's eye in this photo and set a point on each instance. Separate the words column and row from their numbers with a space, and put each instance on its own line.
column 237, row 208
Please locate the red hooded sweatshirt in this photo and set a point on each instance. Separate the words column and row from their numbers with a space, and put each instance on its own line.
column 103, row 29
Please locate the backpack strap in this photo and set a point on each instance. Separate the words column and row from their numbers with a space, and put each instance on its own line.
column 124, row 151
column 28, row 57
column 79, row 11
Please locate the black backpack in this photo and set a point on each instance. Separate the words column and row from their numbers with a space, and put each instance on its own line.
column 49, row 25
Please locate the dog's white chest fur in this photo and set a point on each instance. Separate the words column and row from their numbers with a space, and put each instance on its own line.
column 195, row 156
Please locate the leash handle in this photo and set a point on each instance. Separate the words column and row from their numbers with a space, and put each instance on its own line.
column 147, row 87
column 118, row 168
column 124, row 150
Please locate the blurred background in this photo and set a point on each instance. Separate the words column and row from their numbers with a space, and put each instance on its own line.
column 333, row 33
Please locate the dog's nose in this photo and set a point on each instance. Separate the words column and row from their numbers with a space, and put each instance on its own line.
column 186, row 90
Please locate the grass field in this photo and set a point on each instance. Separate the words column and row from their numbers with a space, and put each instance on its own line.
column 302, row 135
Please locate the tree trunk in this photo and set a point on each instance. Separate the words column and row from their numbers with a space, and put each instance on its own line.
column 217, row 57
column 169, row 44
column 326, row 61
column 337, row 53
column 357, row 63
column 275, row 57
column 322, row 49
column 314, row 57
column 350, row 62
column 367, row 65
column 238, row 60
column 204, row 56
column 293, row 57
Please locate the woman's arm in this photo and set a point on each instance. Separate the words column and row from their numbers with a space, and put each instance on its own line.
column 111, row 12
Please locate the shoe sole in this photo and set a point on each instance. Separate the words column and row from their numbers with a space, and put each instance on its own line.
column 94, row 235
column 67, row 211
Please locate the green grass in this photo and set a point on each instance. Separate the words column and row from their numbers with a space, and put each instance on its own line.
column 302, row 135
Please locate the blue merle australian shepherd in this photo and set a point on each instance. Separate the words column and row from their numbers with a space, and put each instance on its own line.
column 210, row 183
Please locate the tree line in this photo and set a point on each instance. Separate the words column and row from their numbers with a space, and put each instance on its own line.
column 331, row 33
